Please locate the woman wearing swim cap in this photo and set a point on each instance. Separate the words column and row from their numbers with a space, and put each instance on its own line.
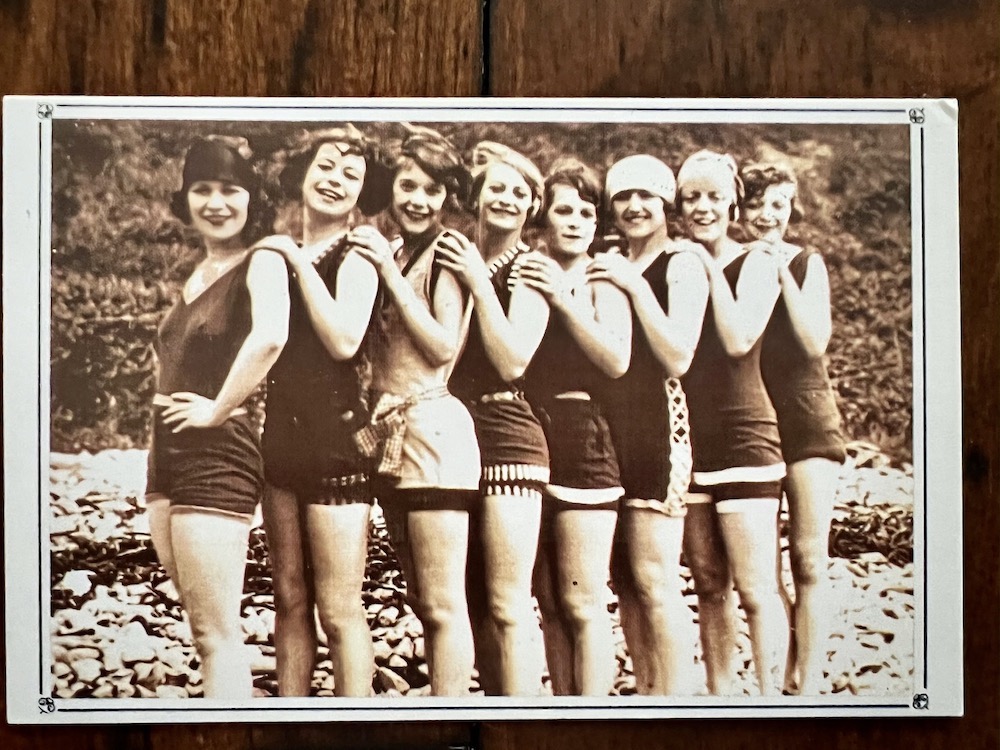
column 796, row 377
column 318, row 500
column 647, row 412
column 422, row 437
column 507, row 328
column 214, row 348
column 730, row 533
column 586, row 344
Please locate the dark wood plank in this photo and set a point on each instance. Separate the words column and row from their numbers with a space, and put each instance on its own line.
column 789, row 48
column 241, row 47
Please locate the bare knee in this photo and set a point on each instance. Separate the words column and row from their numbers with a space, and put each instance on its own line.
column 292, row 595
column 581, row 609
column 711, row 577
column 439, row 610
column 754, row 595
column 808, row 562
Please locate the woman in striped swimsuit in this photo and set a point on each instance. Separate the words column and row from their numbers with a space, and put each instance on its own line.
column 489, row 378
column 648, row 415
column 808, row 419
column 730, row 533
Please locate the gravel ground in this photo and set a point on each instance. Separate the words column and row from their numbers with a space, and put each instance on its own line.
column 118, row 631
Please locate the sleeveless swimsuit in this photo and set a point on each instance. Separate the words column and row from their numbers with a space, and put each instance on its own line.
column 423, row 435
column 799, row 386
column 648, row 415
column 314, row 406
column 564, row 386
column 515, row 457
column 734, row 431
column 215, row 468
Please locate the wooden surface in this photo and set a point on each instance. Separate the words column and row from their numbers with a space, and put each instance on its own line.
column 578, row 48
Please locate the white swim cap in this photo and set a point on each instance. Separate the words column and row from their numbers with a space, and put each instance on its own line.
column 641, row 172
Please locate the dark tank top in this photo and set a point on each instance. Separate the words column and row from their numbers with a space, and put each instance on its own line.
column 785, row 366
column 560, row 366
column 197, row 342
column 475, row 375
column 305, row 367
column 732, row 421
column 643, row 382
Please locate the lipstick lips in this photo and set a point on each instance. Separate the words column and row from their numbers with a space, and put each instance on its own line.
column 331, row 195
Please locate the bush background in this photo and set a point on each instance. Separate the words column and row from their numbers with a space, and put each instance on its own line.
column 119, row 256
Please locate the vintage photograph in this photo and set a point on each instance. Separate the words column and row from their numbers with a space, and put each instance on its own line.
column 389, row 409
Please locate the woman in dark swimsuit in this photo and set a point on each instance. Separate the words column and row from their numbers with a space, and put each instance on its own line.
column 795, row 374
column 317, row 504
column 214, row 348
column 586, row 344
column 507, row 328
column 731, row 528
column 647, row 411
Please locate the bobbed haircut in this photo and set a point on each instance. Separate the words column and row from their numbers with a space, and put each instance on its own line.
column 707, row 160
column 228, row 159
column 437, row 157
column 377, row 187
column 521, row 164
column 574, row 173
column 760, row 176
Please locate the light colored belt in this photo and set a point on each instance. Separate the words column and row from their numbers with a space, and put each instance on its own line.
column 487, row 398
column 573, row 396
column 162, row 399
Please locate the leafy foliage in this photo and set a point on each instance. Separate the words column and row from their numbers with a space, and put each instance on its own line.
column 118, row 255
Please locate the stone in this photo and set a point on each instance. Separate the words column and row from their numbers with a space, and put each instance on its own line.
column 170, row 691
column 387, row 680
column 88, row 670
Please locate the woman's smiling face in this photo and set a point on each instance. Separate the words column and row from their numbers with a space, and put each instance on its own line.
column 639, row 213
column 417, row 198
column 766, row 215
column 505, row 198
column 334, row 180
column 705, row 206
column 570, row 220
column 218, row 209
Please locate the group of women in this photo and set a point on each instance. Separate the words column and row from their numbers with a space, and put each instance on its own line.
column 531, row 420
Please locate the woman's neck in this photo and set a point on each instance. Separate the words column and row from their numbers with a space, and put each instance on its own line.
column 644, row 248
column 493, row 244
column 316, row 229
column 725, row 249
column 221, row 250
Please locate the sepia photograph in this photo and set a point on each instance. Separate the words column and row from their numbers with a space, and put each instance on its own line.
column 426, row 410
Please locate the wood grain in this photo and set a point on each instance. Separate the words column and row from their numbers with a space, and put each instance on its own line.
column 578, row 47
column 241, row 47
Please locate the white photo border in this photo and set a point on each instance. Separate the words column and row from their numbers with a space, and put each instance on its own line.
column 937, row 402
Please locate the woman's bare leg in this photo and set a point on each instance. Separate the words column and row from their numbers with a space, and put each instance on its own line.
column 294, row 623
column 438, row 547
column 555, row 632
column 705, row 553
column 656, row 603
column 509, row 536
column 158, row 508
column 210, row 552
column 338, row 539
column 751, row 544
column 583, row 540
column 811, row 487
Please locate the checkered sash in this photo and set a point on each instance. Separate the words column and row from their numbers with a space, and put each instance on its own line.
column 382, row 437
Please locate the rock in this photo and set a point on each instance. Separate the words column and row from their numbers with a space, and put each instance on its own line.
column 261, row 664
column 61, row 669
column 382, row 651
column 397, row 662
column 418, row 648
column 84, row 652
column 105, row 690
column 388, row 616
column 386, row 680
column 145, row 692
column 137, row 651
column 88, row 670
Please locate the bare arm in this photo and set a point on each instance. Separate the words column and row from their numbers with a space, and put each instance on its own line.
column 742, row 317
column 598, row 315
column 510, row 339
column 809, row 307
column 672, row 336
column 267, row 283
column 436, row 329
